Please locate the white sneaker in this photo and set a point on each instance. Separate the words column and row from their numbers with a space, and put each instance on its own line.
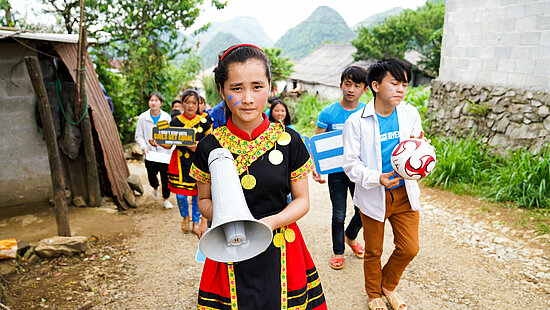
column 156, row 194
column 168, row 204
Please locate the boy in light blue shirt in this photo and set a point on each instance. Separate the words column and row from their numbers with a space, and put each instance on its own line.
column 353, row 83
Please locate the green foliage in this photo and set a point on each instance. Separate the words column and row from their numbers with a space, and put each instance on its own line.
column 466, row 166
column 307, row 110
column 481, row 109
column 183, row 75
column 419, row 30
column 144, row 34
column 125, row 111
column 6, row 14
column 324, row 24
column 523, row 177
column 10, row 17
column 459, row 161
column 213, row 96
column 281, row 67
column 384, row 40
column 419, row 97
column 66, row 12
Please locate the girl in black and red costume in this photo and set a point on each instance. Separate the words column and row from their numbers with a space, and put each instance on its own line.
column 179, row 180
column 272, row 162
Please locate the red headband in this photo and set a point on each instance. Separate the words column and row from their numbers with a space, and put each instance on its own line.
column 234, row 47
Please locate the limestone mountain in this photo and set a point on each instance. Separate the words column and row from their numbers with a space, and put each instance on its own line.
column 378, row 18
column 245, row 28
column 219, row 42
column 322, row 26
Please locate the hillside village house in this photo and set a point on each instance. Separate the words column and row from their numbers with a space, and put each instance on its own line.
column 24, row 168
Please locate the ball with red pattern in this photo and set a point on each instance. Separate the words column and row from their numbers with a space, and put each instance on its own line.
column 413, row 159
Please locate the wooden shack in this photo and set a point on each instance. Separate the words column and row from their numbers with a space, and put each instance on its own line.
column 24, row 168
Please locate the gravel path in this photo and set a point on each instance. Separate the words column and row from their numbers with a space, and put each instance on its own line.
column 465, row 262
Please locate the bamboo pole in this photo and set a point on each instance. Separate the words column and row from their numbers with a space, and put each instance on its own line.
column 56, row 170
column 94, row 191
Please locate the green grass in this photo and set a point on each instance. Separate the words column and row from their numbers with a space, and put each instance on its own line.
column 306, row 110
column 522, row 177
column 460, row 162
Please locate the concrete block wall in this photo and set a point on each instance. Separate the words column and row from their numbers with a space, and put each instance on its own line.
column 504, row 42
column 24, row 167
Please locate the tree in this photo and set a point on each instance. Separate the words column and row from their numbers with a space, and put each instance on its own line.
column 419, row 30
column 280, row 67
column 67, row 11
column 6, row 19
column 144, row 36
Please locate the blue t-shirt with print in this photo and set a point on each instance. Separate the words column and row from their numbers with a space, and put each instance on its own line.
column 389, row 139
column 155, row 118
column 333, row 116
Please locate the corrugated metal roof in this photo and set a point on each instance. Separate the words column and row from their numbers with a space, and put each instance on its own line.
column 51, row 37
column 104, row 123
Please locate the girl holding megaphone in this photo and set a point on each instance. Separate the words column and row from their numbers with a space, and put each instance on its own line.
column 271, row 161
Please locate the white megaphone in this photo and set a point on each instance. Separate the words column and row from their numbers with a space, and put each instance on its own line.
column 235, row 234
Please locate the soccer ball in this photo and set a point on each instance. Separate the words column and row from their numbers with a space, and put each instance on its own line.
column 413, row 159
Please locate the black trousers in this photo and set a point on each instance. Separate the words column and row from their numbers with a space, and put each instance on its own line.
column 153, row 168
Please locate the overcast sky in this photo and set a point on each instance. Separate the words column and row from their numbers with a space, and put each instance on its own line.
column 276, row 17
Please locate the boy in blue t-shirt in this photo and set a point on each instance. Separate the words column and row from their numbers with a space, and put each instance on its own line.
column 353, row 83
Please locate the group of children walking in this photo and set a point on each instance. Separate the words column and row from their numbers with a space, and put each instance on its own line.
column 273, row 162
column 174, row 163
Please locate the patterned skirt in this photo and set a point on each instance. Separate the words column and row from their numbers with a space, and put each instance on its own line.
column 179, row 180
column 282, row 277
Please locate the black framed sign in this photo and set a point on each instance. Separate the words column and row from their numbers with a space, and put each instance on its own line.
column 165, row 134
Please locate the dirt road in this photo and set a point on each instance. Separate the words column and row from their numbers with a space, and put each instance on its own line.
column 467, row 260
column 473, row 256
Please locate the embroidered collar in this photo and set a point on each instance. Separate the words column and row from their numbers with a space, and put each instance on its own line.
column 189, row 118
column 189, row 123
column 255, row 133
column 248, row 151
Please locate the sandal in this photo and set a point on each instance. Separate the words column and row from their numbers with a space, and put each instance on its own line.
column 357, row 249
column 396, row 301
column 196, row 228
column 337, row 263
column 377, row 304
column 185, row 225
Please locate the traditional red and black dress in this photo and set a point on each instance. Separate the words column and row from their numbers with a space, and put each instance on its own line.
column 284, row 275
column 179, row 180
